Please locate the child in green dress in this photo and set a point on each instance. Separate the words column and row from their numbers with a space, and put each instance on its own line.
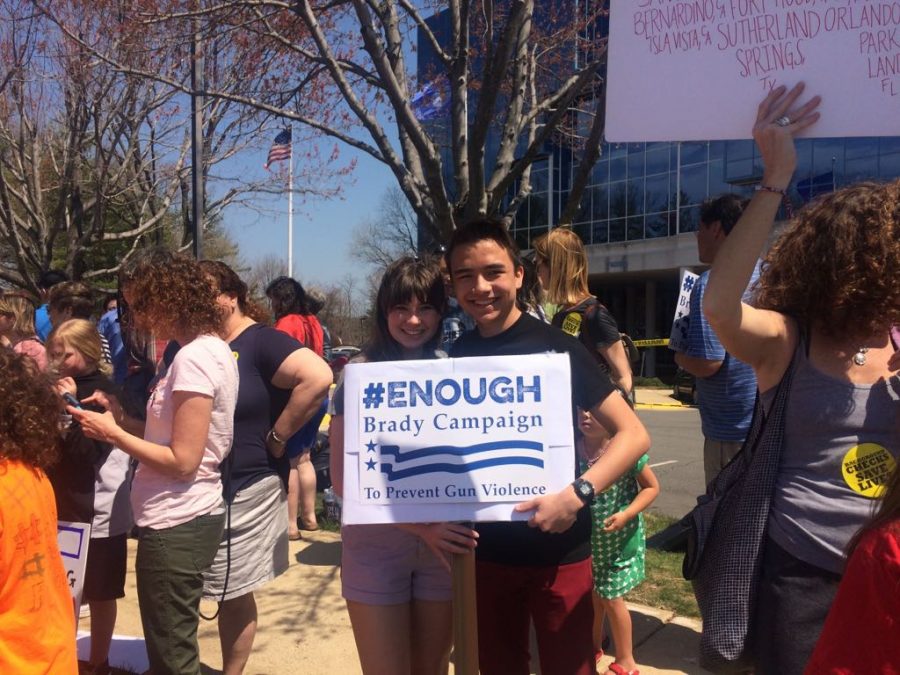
column 617, row 543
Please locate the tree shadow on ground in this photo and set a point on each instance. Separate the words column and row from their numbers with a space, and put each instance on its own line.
column 320, row 554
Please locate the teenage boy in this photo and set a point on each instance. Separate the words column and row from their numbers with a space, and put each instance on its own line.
column 539, row 570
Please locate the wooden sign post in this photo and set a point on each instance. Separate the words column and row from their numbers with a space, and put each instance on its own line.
column 465, row 615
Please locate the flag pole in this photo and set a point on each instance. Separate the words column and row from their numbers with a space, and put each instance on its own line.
column 291, row 206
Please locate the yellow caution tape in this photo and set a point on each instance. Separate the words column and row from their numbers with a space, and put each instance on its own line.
column 658, row 342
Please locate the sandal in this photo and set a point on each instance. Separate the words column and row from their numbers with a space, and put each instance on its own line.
column 619, row 670
column 295, row 537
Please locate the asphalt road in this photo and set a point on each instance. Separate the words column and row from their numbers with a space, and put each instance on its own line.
column 676, row 455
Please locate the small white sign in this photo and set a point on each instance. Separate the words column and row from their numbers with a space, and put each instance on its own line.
column 73, row 540
column 455, row 439
column 678, row 338
column 682, row 70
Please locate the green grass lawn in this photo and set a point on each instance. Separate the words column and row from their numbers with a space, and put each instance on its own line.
column 664, row 586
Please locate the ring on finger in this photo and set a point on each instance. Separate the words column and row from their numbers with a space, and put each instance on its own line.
column 783, row 121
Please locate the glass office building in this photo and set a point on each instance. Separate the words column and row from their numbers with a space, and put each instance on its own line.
column 644, row 191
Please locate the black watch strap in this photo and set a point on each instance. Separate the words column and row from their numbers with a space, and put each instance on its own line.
column 584, row 489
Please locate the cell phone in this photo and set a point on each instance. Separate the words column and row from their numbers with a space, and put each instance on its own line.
column 71, row 400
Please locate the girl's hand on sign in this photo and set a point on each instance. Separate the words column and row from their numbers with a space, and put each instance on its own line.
column 443, row 538
column 553, row 513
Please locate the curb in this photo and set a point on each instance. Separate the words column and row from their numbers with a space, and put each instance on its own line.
column 675, row 406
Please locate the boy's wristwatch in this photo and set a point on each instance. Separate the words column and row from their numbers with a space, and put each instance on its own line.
column 584, row 490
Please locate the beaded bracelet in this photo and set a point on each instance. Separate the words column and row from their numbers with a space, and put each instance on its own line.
column 782, row 192
column 769, row 188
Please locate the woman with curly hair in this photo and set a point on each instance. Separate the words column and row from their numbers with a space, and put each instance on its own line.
column 17, row 328
column 828, row 300
column 176, row 494
column 37, row 620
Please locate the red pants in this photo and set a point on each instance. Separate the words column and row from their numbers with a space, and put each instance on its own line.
column 558, row 601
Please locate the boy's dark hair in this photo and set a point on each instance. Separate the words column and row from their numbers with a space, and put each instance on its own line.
column 50, row 278
column 479, row 230
column 74, row 296
column 726, row 209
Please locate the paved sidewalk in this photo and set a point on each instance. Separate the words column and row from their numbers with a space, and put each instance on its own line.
column 303, row 624
column 657, row 398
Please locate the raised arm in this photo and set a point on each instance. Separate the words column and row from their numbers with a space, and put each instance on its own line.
column 762, row 338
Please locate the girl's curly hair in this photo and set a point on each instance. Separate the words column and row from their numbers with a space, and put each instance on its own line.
column 172, row 289
column 29, row 412
column 836, row 265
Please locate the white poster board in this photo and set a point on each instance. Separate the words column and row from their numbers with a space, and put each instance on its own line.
column 455, row 439
column 73, row 540
column 682, row 70
column 678, row 338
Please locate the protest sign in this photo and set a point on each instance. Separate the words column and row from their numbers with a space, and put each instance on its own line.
column 73, row 540
column 697, row 69
column 681, row 322
column 455, row 439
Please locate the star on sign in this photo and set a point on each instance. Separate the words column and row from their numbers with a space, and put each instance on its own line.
column 371, row 465
column 371, row 446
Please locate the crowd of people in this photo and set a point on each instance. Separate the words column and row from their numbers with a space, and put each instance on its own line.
column 203, row 453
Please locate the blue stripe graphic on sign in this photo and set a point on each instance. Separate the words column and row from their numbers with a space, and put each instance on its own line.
column 399, row 456
column 458, row 468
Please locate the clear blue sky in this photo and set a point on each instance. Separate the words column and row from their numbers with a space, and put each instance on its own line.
column 322, row 228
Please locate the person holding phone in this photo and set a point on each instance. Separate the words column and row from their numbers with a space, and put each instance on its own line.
column 177, row 489
column 90, row 480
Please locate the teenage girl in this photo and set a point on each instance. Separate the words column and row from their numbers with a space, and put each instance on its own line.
column 90, row 482
column 562, row 267
column 396, row 578
column 617, row 544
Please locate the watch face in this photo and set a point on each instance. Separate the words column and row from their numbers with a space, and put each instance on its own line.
column 584, row 489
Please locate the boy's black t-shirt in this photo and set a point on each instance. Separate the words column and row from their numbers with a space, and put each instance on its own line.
column 517, row 543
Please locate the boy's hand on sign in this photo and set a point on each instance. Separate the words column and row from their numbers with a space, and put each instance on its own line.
column 553, row 513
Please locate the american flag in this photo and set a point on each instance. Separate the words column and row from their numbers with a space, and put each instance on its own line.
column 281, row 148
